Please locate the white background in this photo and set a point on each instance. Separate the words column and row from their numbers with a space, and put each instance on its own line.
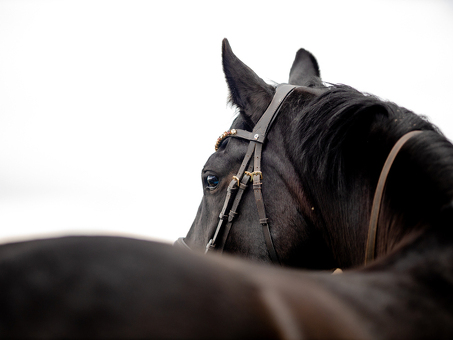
column 109, row 109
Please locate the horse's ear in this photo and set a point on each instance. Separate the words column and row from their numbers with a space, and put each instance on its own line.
column 247, row 91
column 305, row 69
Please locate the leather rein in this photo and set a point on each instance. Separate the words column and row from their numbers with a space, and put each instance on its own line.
column 252, row 172
column 375, row 208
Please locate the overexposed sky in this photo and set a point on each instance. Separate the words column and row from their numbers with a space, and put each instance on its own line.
column 109, row 109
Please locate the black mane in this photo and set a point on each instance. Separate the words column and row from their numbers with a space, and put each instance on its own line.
column 343, row 116
column 340, row 141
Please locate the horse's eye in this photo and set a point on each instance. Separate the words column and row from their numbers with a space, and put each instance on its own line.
column 212, row 181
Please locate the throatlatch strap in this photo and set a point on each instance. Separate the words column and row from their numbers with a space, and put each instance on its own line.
column 260, row 205
column 262, row 128
column 372, row 228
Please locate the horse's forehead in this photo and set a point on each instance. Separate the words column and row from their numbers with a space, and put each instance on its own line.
column 232, row 151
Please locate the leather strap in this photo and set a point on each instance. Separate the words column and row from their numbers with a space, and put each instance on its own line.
column 272, row 111
column 233, row 212
column 375, row 209
column 256, row 138
column 222, row 216
column 262, row 128
column 228, row 199
column 260, row 205
column 251, row 136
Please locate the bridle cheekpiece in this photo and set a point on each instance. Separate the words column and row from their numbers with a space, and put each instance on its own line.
column 249, row 171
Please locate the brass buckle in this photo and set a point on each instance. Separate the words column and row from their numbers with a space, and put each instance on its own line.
column 251, row 174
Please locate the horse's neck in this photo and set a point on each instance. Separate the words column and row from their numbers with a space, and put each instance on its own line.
column 419, row 188
column 405, row 295
column 419, row 185
column 397, row 293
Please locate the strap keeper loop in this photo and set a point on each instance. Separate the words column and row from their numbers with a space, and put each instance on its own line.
column 223, row 216
column 257, row 186
column 242, row 186
column 232, row 215
column 263, row 221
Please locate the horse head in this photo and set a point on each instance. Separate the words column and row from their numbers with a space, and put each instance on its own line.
column 321, row 161
column 281, row 189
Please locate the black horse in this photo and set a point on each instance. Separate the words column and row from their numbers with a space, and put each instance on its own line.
column 321, row 163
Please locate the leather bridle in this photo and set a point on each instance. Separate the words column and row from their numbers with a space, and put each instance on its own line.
column 249, row 171
column 252, row 172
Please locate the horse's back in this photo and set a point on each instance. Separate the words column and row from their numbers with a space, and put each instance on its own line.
column 119, row 287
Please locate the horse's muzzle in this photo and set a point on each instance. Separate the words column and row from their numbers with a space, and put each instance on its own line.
column 180, row 243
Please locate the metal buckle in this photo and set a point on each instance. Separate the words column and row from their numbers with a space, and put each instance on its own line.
column 251, row 174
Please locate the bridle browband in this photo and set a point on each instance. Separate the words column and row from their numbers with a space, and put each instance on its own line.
column 240, row 181
column 249, row 171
